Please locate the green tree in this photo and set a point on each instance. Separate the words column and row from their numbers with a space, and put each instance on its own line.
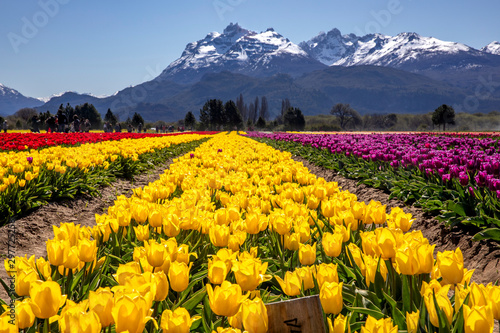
column 204, row 117
column 346, row 115
column 294, row 120
column 261, row 123
column 190, row 120
column 232, row 115
column 111, row 117
column 443, row 115
column 88, row 111
column 137, row 119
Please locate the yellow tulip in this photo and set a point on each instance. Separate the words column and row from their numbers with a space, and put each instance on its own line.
column 332, row 244
column 101, row 302
column 23, row 281
column 46, row 298
column 155, row 253
column 142, row 232
column 291, row 285
column 371, row 264
column 25, row 316
column 340, row 325
column 307, row 254
column 22, row 182
column 328, row 208
column 330, row 296
column 292, row 241
column 412, row 321
column 255, row 223
column 178, row 274
column 383, row 325
column 326, row 273
column 249, row 273
column 123, row 218
column 451, row 266
column 75, row 320
column 282, row 225
column 494, row 298
column 478, row 295
column 177, row 321
column 386, row 243
column 162, row 286
column 217, row 270
column 131, row 313
column 443, row 302
column 219, row 235
column 306, row 276
column 425, row 258
column 8, row 323
column 140, row 212
column 254, row 314
column 155, row 218
column 408, row 260
column 87, row 250
column 225, row 300
column 478, row 319
column 57, row 251
column 312, row 202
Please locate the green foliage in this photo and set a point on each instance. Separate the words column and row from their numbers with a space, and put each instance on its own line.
column 346, row 115
column 137, row 119
column 261, row 123
column 294, row 120
column 110, row 117
column 88, row 111
column 232, row 115
column 443, row 115
column 190, row 120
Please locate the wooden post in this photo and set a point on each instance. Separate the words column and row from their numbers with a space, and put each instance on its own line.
column 301, row 315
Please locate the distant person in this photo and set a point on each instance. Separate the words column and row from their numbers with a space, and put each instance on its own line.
column 4, row 126
column 118, row 128
column 51, row 124
column 139, row 128
column 76, row 123
column 35, row 123
column 62, row 121
column 87, row 125
column 130, row 129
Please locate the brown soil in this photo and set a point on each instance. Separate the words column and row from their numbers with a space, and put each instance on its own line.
column 34, row 229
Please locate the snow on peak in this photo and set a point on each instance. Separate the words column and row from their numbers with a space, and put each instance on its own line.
column 493, row 48
column 236, row 46
column 333, row 48
column 4, row 90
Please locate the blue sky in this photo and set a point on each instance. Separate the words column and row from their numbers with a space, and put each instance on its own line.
column 99, row 47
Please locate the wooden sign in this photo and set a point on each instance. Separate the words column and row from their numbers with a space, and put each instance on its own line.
column 302, row 315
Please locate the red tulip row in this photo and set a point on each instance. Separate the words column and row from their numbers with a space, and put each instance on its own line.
column 23, row 141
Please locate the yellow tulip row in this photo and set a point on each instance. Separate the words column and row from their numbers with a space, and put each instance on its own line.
column 244, row 224
column 24, row 166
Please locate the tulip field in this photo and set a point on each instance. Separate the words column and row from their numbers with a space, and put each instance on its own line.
column 455, row 176
column 234, row 224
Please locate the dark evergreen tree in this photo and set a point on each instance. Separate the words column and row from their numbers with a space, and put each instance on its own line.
column 251, row 113
column 294, row 120
column 264, row 108
column 261, row 123
column 137, row 120
column 110, row 117
column 88, row 111
column 204, row 116
column 190, row 120
column 240, row 104
column 257, row 109
column 232, row 115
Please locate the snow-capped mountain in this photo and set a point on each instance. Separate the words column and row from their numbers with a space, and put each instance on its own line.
column 493, row 48
column 408, row 51
column 12, row 100
column 241, row 51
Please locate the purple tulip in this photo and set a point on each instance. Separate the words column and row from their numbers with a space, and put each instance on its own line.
column 463, row 178
column 446, row 177
column 471, row 191
column 30, row 159
column 191, row 155
column 480, row 178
